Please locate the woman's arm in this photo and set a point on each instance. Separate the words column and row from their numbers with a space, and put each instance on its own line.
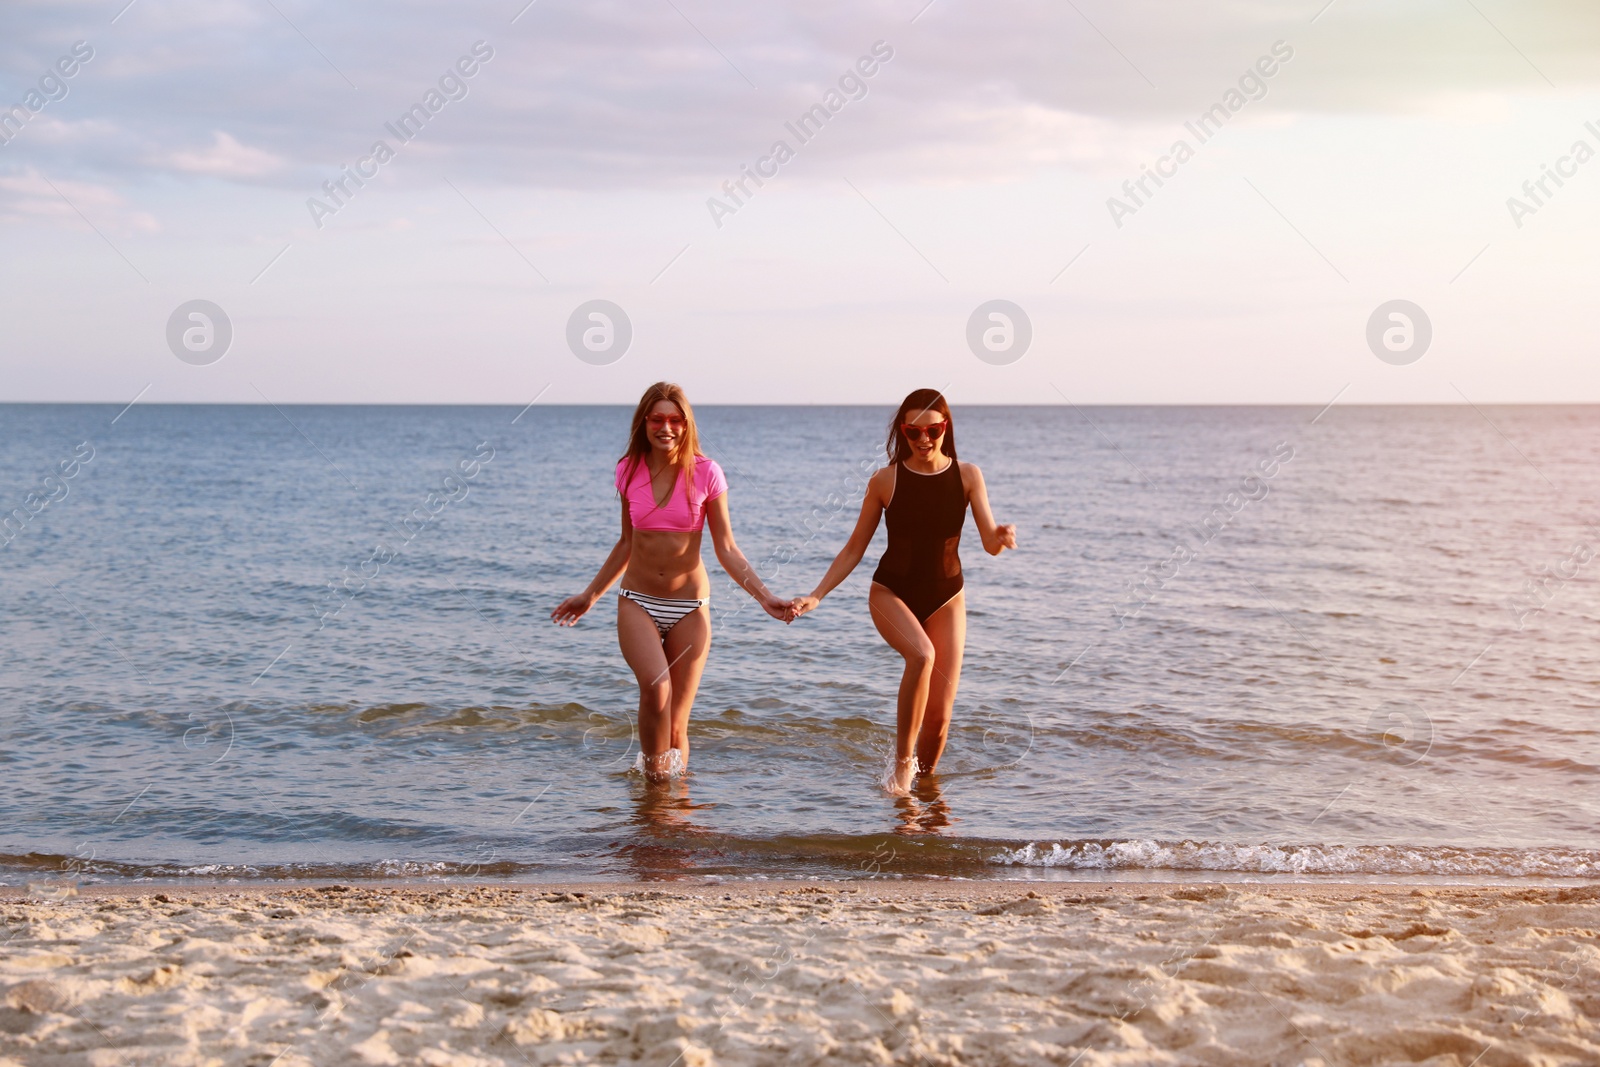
column 733, row 561
column 570, row 610
column 995, row 537
column 873, row 502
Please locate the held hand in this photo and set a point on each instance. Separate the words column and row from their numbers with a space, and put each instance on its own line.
column 803, row 604
column 570, row 610
column 1008, row 535
column 778, row 608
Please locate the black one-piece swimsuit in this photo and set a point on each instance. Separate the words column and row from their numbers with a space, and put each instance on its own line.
column 921, row 565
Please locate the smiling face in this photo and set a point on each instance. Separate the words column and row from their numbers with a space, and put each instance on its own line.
column 923, row 444
column 664, row 427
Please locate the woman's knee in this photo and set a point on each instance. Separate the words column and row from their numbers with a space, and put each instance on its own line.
column 656, row 694
column 920, row 657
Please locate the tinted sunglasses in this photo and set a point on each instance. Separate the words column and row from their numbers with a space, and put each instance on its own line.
column 934, row 430
column 658, row 421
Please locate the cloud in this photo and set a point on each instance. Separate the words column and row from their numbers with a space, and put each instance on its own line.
column 613, row 95
column 226, row 158
column 32, row 197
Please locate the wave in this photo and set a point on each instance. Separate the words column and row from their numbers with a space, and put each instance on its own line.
column 1311, row 859
column 982, row 738
column 50, row 865
column 689, row 852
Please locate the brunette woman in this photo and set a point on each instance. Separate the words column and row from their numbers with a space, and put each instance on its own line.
column 669, row 490
column 916, row 597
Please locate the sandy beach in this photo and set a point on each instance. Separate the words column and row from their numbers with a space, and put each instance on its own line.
column 869, row 973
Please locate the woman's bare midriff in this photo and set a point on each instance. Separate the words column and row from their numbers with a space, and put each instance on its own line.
column 667, row 563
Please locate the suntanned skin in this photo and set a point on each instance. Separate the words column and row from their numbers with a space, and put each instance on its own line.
column 932, row 651
column 667, row 563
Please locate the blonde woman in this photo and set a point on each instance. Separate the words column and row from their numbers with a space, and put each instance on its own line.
column 669, row 492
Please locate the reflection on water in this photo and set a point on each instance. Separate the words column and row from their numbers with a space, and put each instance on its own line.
column 925, row 810
column 664, row 845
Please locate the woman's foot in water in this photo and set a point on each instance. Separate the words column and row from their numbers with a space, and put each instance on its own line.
column 661, row 767
column 900, row 776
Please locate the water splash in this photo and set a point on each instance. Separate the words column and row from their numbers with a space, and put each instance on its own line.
column 1549, row 862
column 886, row 780
column 676, row 767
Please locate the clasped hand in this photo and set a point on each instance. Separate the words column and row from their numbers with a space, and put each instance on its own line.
column 789, row 610
column 778, row 608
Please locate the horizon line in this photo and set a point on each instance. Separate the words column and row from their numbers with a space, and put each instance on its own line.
column 791, row 404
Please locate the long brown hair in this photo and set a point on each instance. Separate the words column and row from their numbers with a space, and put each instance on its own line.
column 688, row 450
column 915, row 403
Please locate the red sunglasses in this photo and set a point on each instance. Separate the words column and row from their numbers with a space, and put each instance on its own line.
column 658, row 421
column 934, row 430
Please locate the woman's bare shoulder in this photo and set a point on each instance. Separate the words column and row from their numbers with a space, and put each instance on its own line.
column 882, row 482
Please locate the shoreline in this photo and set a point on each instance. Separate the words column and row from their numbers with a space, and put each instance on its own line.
column 905, row 888
column 797, row 972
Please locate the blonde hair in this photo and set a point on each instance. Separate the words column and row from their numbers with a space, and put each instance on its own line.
column 688, row 450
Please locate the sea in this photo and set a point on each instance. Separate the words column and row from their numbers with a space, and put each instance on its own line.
column 246, row 644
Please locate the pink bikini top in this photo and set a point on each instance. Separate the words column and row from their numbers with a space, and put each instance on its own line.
column 679, row 514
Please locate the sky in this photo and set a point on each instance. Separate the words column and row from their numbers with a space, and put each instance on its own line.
column 1358, row 153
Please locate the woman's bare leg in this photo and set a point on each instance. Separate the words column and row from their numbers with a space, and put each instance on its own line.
column 641, row 647
column 905, row 635
column 947, row 629
column 686, row 646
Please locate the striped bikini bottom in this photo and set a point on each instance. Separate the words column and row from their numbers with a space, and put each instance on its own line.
column 664, row 611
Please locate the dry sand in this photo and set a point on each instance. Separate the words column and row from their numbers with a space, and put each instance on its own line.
column 875, row 973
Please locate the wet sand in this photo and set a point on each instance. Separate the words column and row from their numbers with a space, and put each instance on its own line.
column 795, row 973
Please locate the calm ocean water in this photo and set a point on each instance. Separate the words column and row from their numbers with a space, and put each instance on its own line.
column 1235, row 643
